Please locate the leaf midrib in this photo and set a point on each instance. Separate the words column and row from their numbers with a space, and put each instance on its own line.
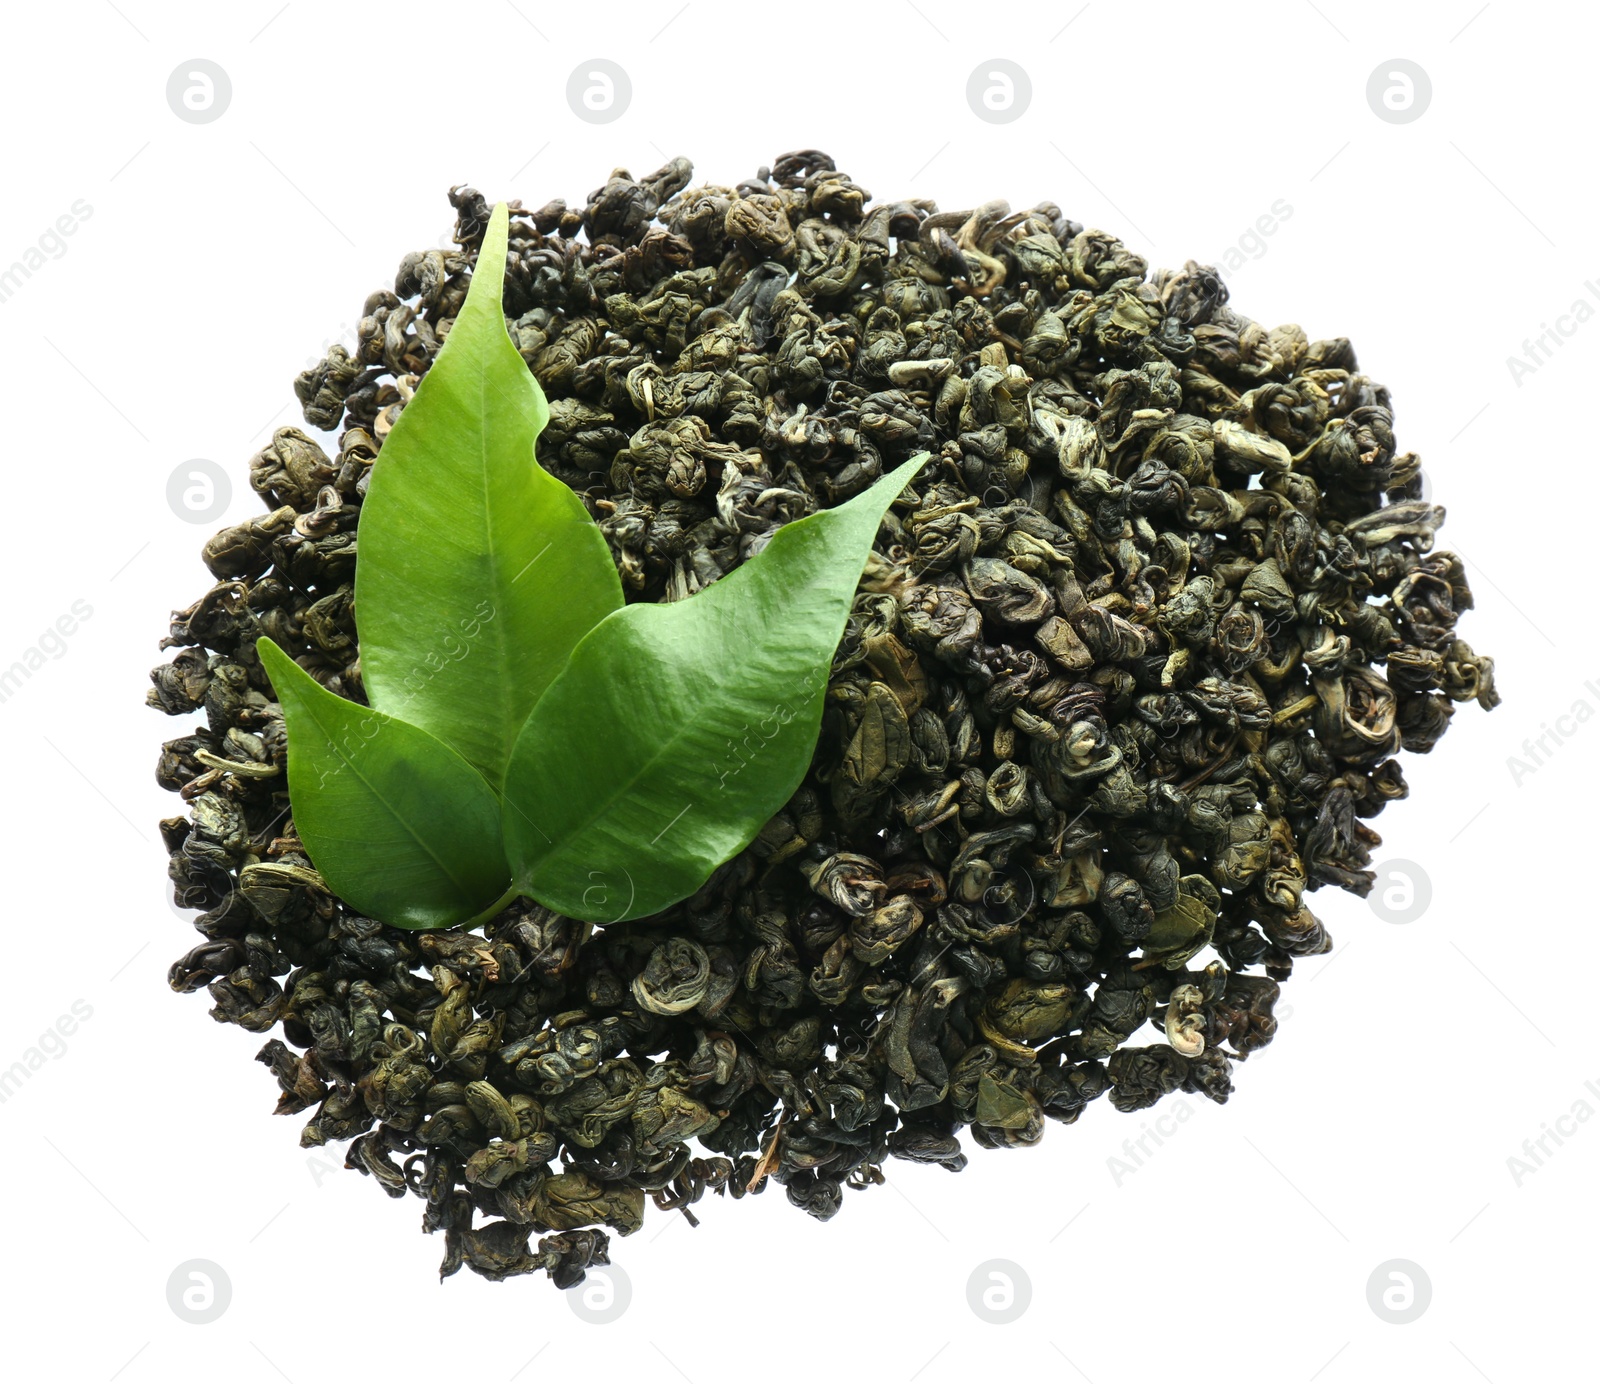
column 509, row 723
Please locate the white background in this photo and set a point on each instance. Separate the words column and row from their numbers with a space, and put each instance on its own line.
column 1414, row 1060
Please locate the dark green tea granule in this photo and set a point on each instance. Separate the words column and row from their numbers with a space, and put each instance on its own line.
column 1125, row 678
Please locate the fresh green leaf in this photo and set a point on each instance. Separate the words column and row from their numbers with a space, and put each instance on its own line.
column 397, row 823
column 478, row 570
column 676, row 731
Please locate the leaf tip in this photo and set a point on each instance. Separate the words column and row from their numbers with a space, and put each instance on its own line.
column 269, row 653
column 489, row 273
column 907, row 470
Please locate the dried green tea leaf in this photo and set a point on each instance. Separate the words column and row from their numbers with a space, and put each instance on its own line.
column 397, row 823
column 479, row 571
column 1186, row 928
column 677, row 730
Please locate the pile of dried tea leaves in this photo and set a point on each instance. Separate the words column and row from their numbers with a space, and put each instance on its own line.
column 1125, row 677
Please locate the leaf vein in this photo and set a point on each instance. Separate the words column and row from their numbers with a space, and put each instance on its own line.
column 467, row 895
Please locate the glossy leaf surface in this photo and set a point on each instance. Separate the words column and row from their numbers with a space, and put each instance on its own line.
column 478, row 571
column 397, row 823
column 676, row 731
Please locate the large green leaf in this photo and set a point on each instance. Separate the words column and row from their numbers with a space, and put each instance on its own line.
column 478, row 570
column 397, row 823
column 676, row 731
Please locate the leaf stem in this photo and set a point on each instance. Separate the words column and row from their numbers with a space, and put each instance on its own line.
column 497, row 907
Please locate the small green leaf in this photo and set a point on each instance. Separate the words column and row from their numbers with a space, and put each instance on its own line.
column 397, row 823
column 478, row 570
column 676, row 731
